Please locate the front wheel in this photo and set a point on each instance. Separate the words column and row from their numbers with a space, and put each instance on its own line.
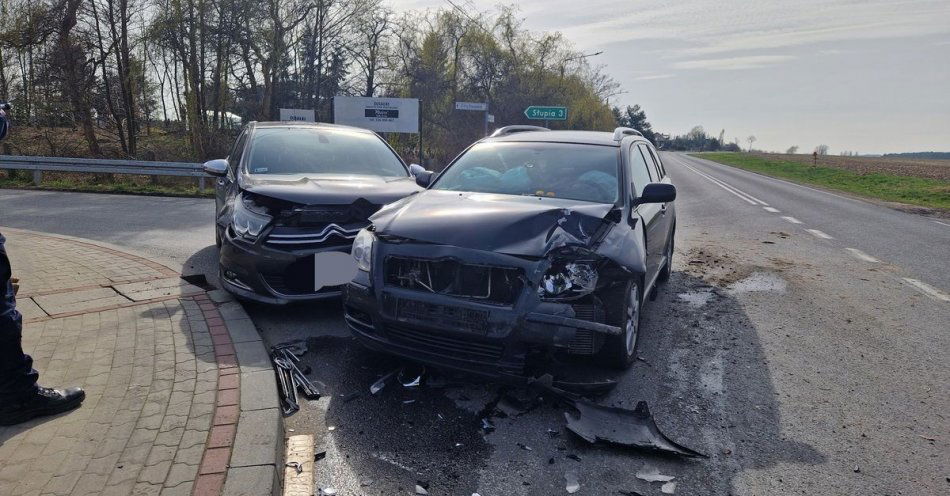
column 621, row 351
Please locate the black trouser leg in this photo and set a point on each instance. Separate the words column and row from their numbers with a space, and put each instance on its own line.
column 17, row 377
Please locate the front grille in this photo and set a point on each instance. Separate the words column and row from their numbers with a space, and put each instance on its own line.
column 302, row 238
column 450, row 346
column 450, row 277
column 318, row 216
column 317, row 226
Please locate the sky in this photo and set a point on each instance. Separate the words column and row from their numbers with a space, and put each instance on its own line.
column 863, row 76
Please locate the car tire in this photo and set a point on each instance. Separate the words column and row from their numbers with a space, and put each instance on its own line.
column 620, row 352
column 668, row 266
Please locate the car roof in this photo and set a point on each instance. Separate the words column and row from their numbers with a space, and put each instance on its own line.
column 602, row 138
column 273, row 124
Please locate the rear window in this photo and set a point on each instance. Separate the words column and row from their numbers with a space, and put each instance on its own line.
column 310, row 150
column 557, row 170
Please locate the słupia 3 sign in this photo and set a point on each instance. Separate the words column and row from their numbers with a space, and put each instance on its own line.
column 538, row 113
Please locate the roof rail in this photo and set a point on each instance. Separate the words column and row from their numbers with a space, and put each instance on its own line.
column 506, row 130
column 620, row 132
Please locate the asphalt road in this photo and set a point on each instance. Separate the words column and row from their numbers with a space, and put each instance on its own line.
column 798, row 364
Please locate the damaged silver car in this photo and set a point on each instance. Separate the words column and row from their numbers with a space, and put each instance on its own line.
column 530, row 244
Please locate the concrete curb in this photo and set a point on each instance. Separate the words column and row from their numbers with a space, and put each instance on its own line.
column 255, row 462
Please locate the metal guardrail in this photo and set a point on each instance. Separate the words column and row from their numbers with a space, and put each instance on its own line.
column 102, row 166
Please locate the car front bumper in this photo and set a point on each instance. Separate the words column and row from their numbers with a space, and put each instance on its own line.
column 258, row 272
column 506, row 340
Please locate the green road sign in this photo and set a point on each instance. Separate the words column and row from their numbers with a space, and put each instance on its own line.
column 538, row 113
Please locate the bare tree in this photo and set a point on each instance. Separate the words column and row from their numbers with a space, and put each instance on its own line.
column 751, row 139
column 792, row 150
column 821, row 149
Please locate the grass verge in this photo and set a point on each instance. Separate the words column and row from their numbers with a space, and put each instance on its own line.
column 117, row 187
column 931, row 193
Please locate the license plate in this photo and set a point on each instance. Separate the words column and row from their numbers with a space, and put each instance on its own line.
column 332, row 268
column 452, row 317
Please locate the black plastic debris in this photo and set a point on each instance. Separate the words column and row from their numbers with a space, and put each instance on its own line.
column 630, row 493
column 591, row 388
column 634, row 428
column 320, row 455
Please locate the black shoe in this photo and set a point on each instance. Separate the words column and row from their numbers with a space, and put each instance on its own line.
column 46, row 401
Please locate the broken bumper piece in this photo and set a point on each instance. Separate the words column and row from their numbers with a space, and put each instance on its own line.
column 635, row 428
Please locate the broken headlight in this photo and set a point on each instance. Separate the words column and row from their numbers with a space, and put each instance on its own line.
column 566, row 280
column 248, row 218
column 363, row 249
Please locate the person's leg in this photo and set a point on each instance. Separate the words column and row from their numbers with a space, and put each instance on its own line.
column 20, row 397
column 17, row 377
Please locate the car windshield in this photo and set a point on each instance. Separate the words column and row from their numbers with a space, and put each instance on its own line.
column 558, row 170
column 313, row 150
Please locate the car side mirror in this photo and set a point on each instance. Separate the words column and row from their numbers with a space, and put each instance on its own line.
column 217, row 167
column 424, row 178
column 416, row 169
column 657, row 193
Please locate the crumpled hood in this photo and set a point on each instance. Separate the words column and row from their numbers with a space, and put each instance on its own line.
column 328, row 189
column 514, row 225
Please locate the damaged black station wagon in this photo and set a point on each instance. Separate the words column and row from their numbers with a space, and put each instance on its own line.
column 530, row 243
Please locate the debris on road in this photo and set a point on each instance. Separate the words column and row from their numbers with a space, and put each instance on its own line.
column 381, row 383
column 624, row 427
column 412, row 377
column 652, row 474
column 668, row 488
column 573, row 485
column 290, row 378
column 421, row 490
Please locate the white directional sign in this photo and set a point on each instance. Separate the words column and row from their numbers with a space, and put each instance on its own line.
column 490, row 118
column 481, row 107
column 385, row 115
column 303, row 115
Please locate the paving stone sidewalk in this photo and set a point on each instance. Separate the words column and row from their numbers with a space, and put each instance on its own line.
column 180, row 395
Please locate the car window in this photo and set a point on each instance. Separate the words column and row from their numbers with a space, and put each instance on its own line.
column 558, row 170
column 651, row 163
column 639, row 173
column 316, row 150
column 237, row 151
column 656, row 159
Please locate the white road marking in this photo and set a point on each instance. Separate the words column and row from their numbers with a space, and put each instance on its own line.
column 819, row 234
column 927, row 289
column 793, row 220
column 790, row 183
column 942, row 223
column 745, row 197
column 860, row 255
column 771, row 209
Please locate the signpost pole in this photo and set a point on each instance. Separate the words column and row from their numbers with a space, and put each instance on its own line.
column 421, row 159
column 486, row 119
